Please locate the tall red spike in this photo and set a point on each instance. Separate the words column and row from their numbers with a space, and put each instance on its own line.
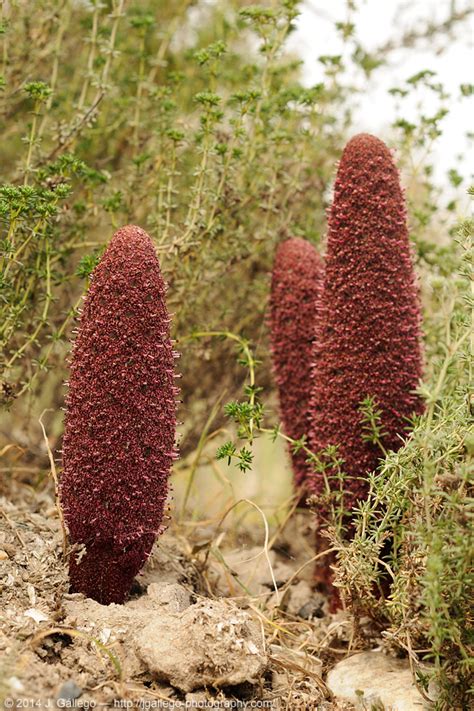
column 369, row 343
column 120, row 421
column 295, row 292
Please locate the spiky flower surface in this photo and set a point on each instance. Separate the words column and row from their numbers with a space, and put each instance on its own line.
column 369, row 343
column 119, row 440
column 296, row 282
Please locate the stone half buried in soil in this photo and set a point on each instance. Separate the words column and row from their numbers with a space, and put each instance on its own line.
column 372, row 680
column 212, row 643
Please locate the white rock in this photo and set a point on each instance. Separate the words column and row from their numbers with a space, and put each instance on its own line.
column 15, row 684
column 36, row 615
column 253, row 649
column 211, row 643
column 31, row 594
column 104, row 635
column 373, row 680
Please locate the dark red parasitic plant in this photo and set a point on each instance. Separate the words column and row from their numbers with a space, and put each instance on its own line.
column 369, row 343
column 295, row 292
column 119, row 441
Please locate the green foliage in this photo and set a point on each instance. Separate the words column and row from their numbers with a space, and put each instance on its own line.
column 87, row 265
column 199, row 132
column 415, row 529
column 372, row 426
column 243, row 456
column 409, row 562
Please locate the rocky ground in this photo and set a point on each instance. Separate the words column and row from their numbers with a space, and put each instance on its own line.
column 211, row 620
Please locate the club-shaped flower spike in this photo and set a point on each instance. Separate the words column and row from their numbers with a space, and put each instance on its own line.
column 295, row 293
column 119, row 441
column 369, row 333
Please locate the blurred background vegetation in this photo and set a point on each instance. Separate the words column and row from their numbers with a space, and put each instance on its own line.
column 186, row 119
column 191, row 119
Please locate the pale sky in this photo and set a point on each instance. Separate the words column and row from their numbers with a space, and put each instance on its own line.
column 377, row 21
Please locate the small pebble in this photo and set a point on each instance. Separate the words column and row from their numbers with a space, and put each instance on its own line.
column 15, row 684
column 313, row 608
column 69, row 690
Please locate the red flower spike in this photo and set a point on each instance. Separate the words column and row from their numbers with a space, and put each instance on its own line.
column 119, row 441
column 369, row 343
column 295, row 292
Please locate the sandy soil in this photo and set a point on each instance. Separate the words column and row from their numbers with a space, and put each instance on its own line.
column 203, row 623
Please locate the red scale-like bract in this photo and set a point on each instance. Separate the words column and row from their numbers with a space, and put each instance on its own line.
column 295, row 291
column 369, row 342
column 119, row 440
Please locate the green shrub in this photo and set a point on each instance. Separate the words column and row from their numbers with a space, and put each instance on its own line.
column 421, row 501
column 188, row 121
